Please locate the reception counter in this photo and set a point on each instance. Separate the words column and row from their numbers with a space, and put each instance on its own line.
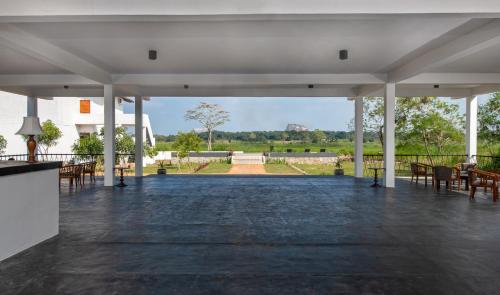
column 29, row 204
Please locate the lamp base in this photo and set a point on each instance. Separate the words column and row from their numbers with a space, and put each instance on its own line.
column 31, row 149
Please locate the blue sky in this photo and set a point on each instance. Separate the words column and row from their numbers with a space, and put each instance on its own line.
column 252, row 114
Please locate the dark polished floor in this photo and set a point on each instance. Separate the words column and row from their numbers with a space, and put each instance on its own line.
column 263, row 235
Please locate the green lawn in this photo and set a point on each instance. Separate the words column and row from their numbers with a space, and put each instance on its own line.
column 171, row 169
column 340, row 147
column 325, row 169
column 280, row 169
column 215, row 168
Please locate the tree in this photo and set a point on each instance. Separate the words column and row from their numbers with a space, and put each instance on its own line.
column 149, row 151
column 489, row 122
column 284, row 136
column 49, row 137
column 431, row 122
column 373, row 117
column 209, row 116
column 318, row 136
column 88, row 145
column 185, row 143
column 124, row 142
column 3, row 144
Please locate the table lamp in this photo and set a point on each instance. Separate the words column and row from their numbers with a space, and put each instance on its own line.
column 31, row 127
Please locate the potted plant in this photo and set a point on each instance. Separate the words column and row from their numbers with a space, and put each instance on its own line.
column 338, row 167
column 161, row 168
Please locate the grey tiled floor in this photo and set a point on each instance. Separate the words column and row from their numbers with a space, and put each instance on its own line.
column 263, row 235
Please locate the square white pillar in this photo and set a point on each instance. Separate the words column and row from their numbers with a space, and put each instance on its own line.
column 358, row 143
column 32, row 106
column 138, row 137
column 389, row 135
column 471, row 128
column 109, row 135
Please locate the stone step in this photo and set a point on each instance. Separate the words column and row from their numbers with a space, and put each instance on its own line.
column 247, row 159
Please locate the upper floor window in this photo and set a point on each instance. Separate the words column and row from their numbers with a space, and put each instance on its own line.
column 85, row 106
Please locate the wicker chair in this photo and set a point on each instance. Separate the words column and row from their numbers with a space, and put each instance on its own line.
column 421, row 170
column 89, row 168
column 479, row 178
column 448, row 174
column 71, row 172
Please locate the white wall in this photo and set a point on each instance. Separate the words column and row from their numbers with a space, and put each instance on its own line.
column 29, row 210
column 65, row 113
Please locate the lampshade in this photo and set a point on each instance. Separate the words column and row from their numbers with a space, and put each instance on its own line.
column 31, row 126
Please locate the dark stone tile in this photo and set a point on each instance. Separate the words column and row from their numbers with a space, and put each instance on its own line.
column 262, row 235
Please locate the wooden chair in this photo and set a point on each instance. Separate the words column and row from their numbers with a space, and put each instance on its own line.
column 71, row 172
column 421, row 170
column 89, row 168
column 448, row 174
column 480, row 178
column 465, row 169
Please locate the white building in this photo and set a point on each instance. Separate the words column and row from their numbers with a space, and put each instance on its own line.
column 74, row 116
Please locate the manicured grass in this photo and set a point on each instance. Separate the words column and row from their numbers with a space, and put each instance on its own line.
column 280, row 169
column 215, row 168
column 326, row 169
column 171, row 169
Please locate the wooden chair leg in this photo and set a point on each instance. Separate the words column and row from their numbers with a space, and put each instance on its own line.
column 411, row 179
column 425, row 180
column 472, row 192
column 416, row 180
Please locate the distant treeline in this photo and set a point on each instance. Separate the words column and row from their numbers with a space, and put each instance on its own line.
column 266, row 136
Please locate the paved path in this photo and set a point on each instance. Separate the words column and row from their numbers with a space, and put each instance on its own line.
column 247, row 169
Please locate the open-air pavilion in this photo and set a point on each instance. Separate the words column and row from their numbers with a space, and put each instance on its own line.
column 259, row 49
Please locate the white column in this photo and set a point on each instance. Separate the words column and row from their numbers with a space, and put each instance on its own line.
column 358, row 143
column 138, row 136
column 389, row 136
column 109, row 135
column 471, row 127
column 32, row 106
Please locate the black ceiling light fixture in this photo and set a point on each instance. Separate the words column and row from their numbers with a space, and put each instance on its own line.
column 153, row 54
column 310, row 86
column 436, row 86
column 343, row 54
column 186, row 86
column 66, row 86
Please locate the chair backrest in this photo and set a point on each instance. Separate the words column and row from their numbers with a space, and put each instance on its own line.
column 443, row 172
column 414, row 168
column 467, row 166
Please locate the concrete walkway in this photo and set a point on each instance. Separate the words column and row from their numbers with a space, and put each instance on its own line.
column 247, row 169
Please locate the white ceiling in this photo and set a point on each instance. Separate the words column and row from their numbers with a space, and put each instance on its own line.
column 253, row 54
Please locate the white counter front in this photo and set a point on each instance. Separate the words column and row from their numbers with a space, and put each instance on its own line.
column 29, row 207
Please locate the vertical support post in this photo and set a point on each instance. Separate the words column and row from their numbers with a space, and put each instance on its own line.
column 471, row 128
column 32, row 106
column 358, row 143
column 389, row 134
column 109, row 135
column 138, row 137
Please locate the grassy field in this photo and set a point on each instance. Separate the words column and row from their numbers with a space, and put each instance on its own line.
column 171, row 169
column 325, row 169
column 280, row 169
column 215, row 168
column 340, row 147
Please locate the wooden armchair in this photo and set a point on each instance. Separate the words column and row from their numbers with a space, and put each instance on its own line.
column 89, row 168
column 448, row 174
column 480, row 178
column 421, row 170
column 71, row 172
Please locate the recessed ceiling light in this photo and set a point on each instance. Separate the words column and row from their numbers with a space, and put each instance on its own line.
column 310, row 86
column 153, row 54
column 343, row 54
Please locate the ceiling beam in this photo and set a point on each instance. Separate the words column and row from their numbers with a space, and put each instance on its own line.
column 477, row 40
column 485, row 89
column 245, row 79
column 245, row 7
column 19, row 40
column 45, row 80
column 454, row 78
